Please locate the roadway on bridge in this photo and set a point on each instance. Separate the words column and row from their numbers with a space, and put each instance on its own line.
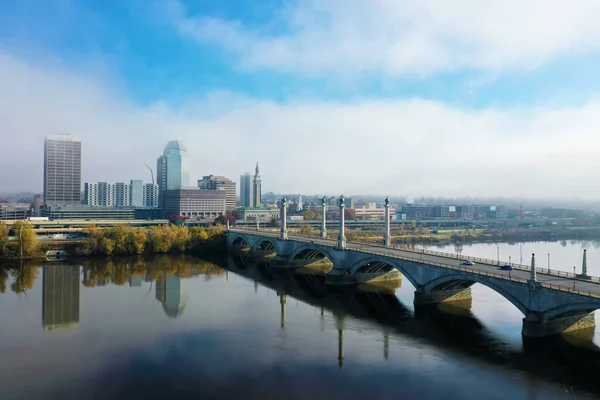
column 568, row 283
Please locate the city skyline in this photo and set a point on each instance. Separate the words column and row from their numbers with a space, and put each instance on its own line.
column 391, row 108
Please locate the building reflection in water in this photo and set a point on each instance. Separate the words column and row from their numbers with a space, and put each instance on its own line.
column 172, row 292
column 60, row 297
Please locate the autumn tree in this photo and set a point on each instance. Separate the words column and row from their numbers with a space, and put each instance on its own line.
column 349, row 213
column 161, row 238
column 181, row 237
column 224, row 218
column 274, row 223
column 26, row 239
column 3, row 239
column 136, row 241
column 106, row 246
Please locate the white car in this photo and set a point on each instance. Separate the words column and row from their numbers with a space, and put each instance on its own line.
column 467, row 262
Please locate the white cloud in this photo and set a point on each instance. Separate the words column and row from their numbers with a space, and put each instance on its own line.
column 406, row 37
column 406, row 147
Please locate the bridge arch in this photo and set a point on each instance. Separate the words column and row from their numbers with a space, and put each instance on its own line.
column 240, row 241
column 311, row 252
column 469, row 280
column 265, row 244
column 571, row 308
column 376, row 262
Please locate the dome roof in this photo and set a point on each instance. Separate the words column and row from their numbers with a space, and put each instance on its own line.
column 175, row 145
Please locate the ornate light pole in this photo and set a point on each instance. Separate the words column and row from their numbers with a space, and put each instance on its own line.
column 533, row 278
column 342, row 236
column 386, row 233
column 323, row 224
column 284, row 234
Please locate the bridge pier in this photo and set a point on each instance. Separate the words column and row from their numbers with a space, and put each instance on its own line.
column 442, row 296
column 535, row 326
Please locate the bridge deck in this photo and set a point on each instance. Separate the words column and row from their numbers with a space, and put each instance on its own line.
column 553, row 279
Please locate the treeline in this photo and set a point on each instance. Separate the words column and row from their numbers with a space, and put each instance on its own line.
column 121, row 239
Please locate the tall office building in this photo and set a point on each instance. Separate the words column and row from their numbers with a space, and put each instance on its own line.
column 62, row 170
column 60, row 297
column 246, row 193
column 214, row 182
column 122, row 194
column 256, row 188
column 172, row 170
column 136, row 193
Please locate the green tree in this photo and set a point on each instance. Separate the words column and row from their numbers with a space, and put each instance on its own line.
column 26, row 239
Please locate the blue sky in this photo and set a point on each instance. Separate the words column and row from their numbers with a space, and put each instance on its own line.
column 222, row 65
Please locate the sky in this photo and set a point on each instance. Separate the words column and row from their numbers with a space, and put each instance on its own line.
column 390, row 97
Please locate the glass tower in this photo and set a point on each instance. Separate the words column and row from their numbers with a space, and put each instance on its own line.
column 172, row 170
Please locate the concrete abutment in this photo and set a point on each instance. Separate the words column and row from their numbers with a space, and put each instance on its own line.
column 442, row 296
column 534, row 326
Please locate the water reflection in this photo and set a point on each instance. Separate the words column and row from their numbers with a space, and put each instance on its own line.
column 263, row 335
column 60, row 297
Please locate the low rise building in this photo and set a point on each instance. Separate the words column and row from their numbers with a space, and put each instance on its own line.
column 257, row 213
column 370, row 212
column 13, row 211
column 194, row 203
column 84, row 212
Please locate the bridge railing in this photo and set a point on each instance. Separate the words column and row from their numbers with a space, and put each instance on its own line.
column 389, row 252
column 520, row 267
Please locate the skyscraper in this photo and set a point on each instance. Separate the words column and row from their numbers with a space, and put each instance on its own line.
column 62, row 170
column 60, row 297
column 246, row 193
column 171, row 291
column 172, row 170
column 256, row 188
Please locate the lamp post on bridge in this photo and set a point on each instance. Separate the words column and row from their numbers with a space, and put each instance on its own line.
column 584, row 274
column 533, row 278
column 323, row 224
column 283, row 214
column 342, row 236
column 386, row 233
column 498, row 254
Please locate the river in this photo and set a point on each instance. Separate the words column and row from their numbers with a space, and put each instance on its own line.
column 180, row 327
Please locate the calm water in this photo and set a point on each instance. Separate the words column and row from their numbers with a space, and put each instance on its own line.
column 176, row 327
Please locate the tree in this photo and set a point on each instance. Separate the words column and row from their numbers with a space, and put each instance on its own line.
column 305, row 229
column 93, row 236
column 118, row 234
column 274, row 223
column 224, row 218
column 26, row 238
column 349, row 213
column 106, row 246
column 308, row 215
column 181, row 237
column 177, row 219
column 3, row 238
column 136, row 241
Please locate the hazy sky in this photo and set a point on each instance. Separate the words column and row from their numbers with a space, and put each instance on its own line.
column 429, row 97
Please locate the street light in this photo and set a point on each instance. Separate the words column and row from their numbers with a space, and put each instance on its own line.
column 574, row 275
column 498, row 253
column 548, row 263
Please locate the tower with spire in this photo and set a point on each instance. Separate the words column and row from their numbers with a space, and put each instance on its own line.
column 256, row 188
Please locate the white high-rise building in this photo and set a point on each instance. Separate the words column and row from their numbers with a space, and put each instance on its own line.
column 150, row 195
column 62, row 170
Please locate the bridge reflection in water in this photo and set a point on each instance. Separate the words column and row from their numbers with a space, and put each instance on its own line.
column 572, row 359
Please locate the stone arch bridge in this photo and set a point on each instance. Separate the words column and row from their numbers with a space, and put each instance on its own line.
column 552, row 303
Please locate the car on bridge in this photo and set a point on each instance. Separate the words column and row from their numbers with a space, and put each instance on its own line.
column 507, row 267
column 467, row 262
